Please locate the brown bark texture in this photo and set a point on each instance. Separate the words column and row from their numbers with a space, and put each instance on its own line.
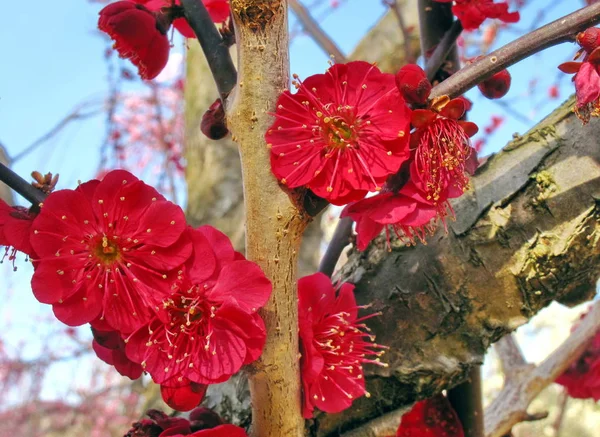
column 274, row 223
column 526, row 234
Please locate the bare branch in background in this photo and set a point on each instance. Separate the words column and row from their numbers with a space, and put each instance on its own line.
column 396, row 8
column 312, row 28
column 80, row 112
column 510, row 407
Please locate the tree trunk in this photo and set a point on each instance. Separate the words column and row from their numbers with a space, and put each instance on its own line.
column 526, row 234
column 274, row 222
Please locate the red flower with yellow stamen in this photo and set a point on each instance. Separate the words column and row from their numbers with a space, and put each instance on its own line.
column 442, row 150
column 107, row 249
column 334, row 344
column 208, row 327
column 587, row 74
column 341, row 134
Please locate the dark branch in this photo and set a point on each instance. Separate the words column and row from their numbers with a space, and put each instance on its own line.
column 559, row 31
column 215, row 50
column 443, row 50
column 316, row 32
column 340, row 239
column 21, row 186
column 467, row 402
column 435, row 20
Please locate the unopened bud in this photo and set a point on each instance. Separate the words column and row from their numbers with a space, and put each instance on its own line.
column 213, row 121
column 589, row 39
column 412, row 82
column 496, row 86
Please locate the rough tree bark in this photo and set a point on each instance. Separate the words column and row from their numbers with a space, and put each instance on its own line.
column 525, row 235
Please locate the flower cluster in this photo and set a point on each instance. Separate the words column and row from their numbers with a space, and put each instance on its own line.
column 161, row 297
column 347, row 132
column 202, row 423
column 582, row 378
column 441, row 156
column 472, row 13
column 587, row 74
column 139, row 29
column 432, row 417
column 334, row 344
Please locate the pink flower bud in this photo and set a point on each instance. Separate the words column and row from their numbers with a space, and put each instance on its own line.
column 589, row 39
column 213, row 121
column 496, row 86
column 412, row 82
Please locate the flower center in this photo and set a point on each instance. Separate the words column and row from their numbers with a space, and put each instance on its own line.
column 107, row 251
column 338, row 132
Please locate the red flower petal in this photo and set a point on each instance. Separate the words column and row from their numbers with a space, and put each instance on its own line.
column 137, row 37
column 570, row 67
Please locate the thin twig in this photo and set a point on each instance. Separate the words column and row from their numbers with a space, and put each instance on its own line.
column 216, row 52
column 311, row 27
column 340, row 239
column 397, row 10
column 563, row 400
column 443, row 49
column 21, row 186
column 510, row 407
column 562, row 30
column 75, row 115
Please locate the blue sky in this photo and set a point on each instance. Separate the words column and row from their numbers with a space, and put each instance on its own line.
column 53, row 60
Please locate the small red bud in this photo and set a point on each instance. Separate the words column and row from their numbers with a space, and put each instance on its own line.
column 412, row 82
column 213, row 121
column 496, row 86
column 589, row 39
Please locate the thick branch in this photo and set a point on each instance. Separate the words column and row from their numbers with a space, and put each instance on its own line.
column 510, row 407
column 316, row 32
column 21, row 186
column 216, row 52
column 562, row 30
column 274, row 224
